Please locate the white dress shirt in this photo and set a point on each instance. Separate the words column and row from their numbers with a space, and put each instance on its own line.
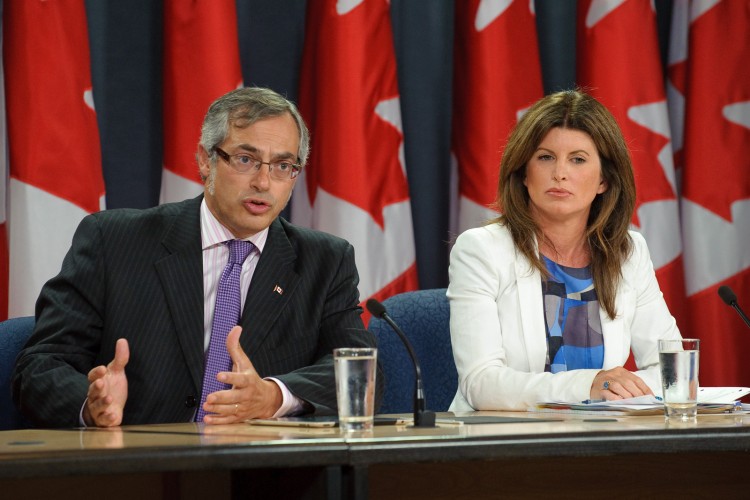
column 215, row 257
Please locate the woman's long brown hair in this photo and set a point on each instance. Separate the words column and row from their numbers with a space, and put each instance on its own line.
column 611, row 211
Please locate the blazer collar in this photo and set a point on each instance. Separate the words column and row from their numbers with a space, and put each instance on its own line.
column 529, row 283
column 616, row 338
column 180, row 272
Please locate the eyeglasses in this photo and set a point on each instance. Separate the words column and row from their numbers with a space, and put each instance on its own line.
column 244, row 163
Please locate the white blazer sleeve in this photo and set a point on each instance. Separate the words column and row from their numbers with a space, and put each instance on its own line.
column 648, row 318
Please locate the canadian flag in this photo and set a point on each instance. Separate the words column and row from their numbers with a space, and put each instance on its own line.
column 716, row 185
column 677, row 82
column 497, row 76
column 355, row 183
column 618, row 60
column 201, row 63
column 54, row 151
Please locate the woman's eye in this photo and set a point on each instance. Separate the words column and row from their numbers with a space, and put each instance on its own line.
column 579, row 160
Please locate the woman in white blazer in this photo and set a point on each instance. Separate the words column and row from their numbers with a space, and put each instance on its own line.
column 548, row 300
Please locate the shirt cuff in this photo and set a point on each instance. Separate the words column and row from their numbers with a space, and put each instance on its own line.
column 290, row 404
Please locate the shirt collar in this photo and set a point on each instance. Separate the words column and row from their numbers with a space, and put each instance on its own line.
column 214, row 233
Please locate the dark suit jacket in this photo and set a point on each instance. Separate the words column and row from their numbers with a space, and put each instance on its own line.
column 137, row 274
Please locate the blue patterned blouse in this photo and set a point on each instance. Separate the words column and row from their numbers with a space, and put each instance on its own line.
column 571, row 314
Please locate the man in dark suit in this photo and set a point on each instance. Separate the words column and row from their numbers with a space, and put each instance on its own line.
column 124, row 330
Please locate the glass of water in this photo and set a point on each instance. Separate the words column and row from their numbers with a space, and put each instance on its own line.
column 355, row 370
column 678, row 361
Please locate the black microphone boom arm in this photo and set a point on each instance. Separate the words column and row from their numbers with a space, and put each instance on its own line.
column 422, row 416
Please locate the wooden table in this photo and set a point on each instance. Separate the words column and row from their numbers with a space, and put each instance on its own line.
column 581, row 456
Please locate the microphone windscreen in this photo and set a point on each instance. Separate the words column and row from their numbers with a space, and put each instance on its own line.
column 727, row 295
column 376, row 308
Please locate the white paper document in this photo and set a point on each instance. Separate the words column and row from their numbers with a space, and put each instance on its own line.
column 710, row 400
column 721, row 395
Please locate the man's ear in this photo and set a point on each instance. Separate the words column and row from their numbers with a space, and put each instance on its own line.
column 204, row 164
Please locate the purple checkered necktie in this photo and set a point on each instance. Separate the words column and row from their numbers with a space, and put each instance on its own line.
column 226, row 317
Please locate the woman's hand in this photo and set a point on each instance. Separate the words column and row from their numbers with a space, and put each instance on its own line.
column 618, row 383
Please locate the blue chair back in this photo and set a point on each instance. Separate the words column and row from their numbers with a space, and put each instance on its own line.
column 13, row 335
column 424, row 318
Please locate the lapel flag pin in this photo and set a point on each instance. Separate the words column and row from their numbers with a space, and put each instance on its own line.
column 278, row 289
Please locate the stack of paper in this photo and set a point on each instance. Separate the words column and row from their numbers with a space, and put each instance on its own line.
column 643, row 405
column 710, row 400
column 721, row 395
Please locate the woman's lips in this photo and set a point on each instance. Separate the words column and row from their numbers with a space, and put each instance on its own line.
column 558, row 192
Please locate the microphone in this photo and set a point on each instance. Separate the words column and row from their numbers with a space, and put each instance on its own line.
column 730, row 299
column 422, row 417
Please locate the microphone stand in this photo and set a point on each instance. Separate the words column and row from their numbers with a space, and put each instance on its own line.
column 741, row 313
column 422, row 416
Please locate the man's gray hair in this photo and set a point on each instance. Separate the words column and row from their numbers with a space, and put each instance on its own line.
column 242, row 108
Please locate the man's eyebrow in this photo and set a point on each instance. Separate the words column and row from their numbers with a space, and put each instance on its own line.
column 248, row 148
column 278, row 156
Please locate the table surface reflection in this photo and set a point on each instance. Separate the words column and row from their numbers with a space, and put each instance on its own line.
column 186, row 446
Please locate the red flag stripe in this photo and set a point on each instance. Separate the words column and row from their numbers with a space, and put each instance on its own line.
column 54, row 151
column 716, row 185
column 624, row 72
column 497, row 75
column 52, row 129
column 355, row 184
column 4, row 254
column 201, row 63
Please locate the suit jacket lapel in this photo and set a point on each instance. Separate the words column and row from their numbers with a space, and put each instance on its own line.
column 181, row 277
column 532, row 318
column 616, row 344
column 271, row 288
